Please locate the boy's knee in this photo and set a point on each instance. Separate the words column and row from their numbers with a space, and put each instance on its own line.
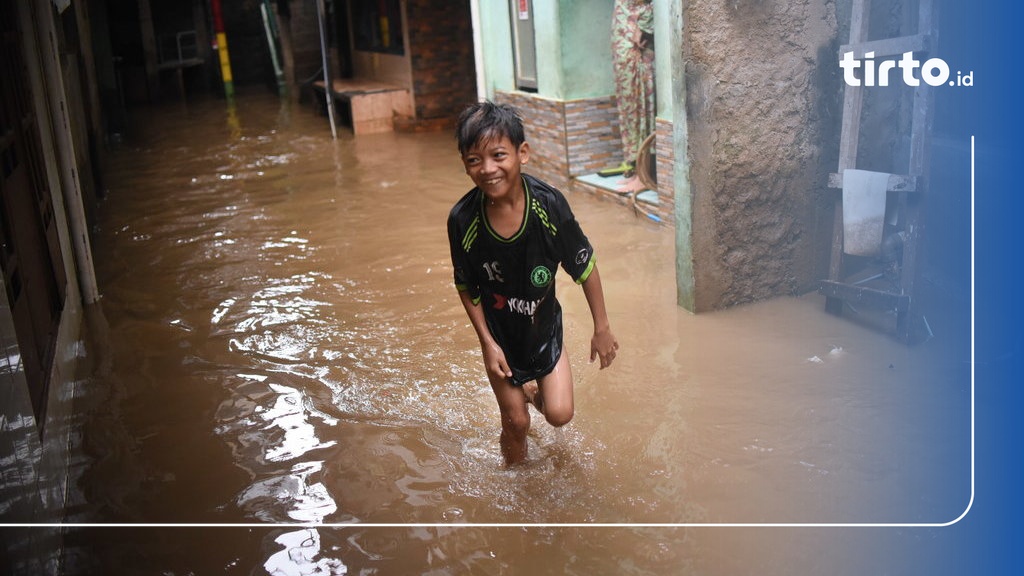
column 558, row 417
column 517, row 423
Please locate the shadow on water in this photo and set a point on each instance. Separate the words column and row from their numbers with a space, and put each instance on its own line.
column 280, row 342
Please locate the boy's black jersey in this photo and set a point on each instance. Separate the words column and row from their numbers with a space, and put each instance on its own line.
column 514, row 278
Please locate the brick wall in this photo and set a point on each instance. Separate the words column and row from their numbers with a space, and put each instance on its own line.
column 665, row 169
column 567, row 138
column 441, row 49
column 592, row 135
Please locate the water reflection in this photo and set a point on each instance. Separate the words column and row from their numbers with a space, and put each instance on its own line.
column 280, row 433
column 300, row 557
column 20, row 454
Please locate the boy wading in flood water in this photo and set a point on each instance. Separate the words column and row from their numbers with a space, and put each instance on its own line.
column 508, row 235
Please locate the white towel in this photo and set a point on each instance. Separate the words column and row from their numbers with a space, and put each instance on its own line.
column 864, row 196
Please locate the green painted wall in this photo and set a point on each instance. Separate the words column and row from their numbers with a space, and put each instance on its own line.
column 549, row 51
column 668, row 55
column 671, row 89
column 573, row 42
column 496, row 42
column 585, row 39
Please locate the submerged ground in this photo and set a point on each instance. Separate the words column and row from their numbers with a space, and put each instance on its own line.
column 279, row 342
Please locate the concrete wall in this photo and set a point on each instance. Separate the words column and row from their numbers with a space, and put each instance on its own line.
column 762, row 122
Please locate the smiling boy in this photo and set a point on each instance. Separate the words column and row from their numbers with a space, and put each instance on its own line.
column 508, row 235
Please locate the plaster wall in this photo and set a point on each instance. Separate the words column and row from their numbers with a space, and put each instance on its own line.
column 496, row 47
column 585, row 48
column 762, row 113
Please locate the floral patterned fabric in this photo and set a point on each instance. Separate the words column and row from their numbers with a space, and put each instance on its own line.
column 633, row 65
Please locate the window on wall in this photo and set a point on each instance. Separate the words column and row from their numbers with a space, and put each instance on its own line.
column 377, row 26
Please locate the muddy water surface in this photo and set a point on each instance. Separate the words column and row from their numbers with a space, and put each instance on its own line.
column 280, row 342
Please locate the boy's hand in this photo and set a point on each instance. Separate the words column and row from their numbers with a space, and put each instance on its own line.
column 495, row 362
column 603, row 345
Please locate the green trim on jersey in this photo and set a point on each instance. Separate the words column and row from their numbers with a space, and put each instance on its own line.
column 464, row 288
column 526, row 216
column 543, row 215
column 586, row 273
column 471, row 233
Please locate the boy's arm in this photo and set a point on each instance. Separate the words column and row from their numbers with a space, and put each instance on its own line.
column 603, row 344
column 494, row 358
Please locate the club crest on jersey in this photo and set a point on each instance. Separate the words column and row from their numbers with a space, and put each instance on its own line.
column 540, row 277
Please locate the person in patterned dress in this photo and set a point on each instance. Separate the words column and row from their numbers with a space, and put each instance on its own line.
column 633, row 67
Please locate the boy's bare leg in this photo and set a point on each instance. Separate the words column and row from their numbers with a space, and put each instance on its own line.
column 515, row 419
column 551, row 394
column 555, row 395
column 533, row 396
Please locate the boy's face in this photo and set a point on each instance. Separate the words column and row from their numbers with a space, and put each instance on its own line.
column 494, row 164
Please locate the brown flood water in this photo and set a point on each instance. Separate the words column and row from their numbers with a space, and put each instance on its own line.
column 283, row 344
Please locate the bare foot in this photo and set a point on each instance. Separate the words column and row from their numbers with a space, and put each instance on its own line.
column 533, row 396
column 631, row 185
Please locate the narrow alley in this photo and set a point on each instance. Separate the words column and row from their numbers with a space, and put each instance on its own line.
column 279, row 342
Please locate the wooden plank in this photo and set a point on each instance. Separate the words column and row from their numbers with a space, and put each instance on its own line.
column 889, row 46
column 349, row 87
column 849, row 138
column 836, row 262
column 853, row 98
column 911, row 207
column 921, row 122
column 873, row 297
column 897, row 182
column 859, row 17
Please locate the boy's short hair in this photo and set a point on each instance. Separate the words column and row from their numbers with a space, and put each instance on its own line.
column 486, row 120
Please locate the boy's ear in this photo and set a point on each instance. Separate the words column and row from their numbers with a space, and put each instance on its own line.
column 524, row 152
